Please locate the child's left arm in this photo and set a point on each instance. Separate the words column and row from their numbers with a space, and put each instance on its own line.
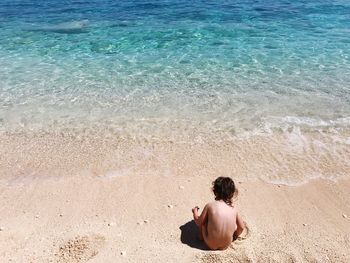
column 200, row 219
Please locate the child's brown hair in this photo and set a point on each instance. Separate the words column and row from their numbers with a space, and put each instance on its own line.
column 224, row 189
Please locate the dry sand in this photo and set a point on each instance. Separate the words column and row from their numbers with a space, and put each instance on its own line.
column 143, row 214
column 148, row 219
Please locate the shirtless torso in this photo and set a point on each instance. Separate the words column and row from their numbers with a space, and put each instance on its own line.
column 219, row 223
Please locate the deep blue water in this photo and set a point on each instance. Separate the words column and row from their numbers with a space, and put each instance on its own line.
column 232, row 65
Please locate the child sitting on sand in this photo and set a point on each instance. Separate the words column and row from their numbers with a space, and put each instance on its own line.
column 220, row 222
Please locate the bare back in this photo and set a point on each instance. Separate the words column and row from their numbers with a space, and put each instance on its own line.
column 220, row 225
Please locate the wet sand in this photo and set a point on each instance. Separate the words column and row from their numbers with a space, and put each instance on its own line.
column 280, row 158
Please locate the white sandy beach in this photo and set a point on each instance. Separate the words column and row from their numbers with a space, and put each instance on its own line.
column 148, row 219
column 117, row 116
column 144, row 214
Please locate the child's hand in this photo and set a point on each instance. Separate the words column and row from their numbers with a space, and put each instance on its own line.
column 195, row 209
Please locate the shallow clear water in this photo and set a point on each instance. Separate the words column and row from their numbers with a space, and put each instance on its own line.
column 85, row 86
column 232, row 66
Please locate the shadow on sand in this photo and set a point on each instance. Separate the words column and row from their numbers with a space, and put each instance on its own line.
column 189, row 236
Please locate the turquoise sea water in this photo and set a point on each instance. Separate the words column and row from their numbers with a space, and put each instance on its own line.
column 232, row 66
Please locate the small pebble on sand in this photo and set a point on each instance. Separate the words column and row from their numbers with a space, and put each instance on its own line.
column 304, row 224
column 111, row 224
column 37, row 216
column 123, row 253
column 60, row 215
column 2, row 228
column 345, row 216
column 171, row 206
column 146, row 221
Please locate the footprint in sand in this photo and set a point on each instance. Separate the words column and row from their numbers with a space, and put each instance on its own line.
column 79, row 249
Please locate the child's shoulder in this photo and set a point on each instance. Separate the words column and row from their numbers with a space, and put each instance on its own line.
column 214, row 203
column 222, row 204
column 210, row 204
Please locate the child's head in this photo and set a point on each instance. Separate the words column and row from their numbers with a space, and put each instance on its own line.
column 224, row 189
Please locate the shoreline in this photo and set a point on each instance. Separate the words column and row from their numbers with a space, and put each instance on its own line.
column 116, row 116
column 279, row 158
column 142, row 218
